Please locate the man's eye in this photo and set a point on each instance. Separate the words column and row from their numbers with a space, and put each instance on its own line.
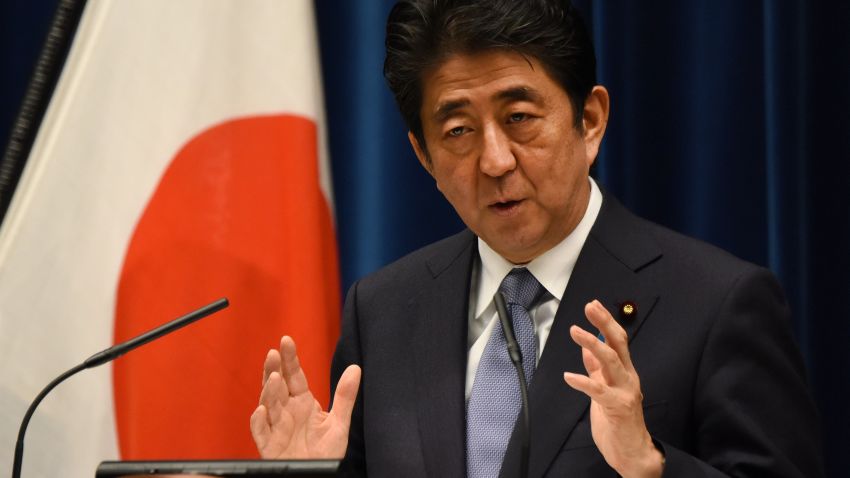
column 517, row 117
column 457, row 131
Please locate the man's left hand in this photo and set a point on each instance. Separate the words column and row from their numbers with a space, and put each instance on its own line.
column 616, row 408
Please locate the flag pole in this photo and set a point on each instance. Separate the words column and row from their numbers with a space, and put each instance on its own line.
column 48, row 67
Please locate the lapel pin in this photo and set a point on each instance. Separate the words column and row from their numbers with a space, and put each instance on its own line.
column 628, row 309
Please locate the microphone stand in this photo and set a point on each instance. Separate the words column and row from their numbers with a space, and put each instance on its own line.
column 516, row 357
column 103, row 357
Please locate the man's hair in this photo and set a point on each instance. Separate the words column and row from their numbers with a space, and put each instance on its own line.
column 421, row 34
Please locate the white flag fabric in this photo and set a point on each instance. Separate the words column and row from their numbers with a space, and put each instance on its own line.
column 181, row 159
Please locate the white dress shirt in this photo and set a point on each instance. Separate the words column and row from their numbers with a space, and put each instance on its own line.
column 552, row 269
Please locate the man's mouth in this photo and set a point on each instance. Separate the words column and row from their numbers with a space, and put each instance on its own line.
column 505, row 207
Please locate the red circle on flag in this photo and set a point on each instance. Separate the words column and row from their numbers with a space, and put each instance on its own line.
column 238, row 213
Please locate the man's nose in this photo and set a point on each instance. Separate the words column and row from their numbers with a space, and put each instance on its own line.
column 497, row 158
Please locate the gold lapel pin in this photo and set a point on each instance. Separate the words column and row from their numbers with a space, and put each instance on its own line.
column 628, row 309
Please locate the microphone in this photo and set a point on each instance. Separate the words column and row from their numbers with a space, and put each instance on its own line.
column 516, row 357
column 105, row 356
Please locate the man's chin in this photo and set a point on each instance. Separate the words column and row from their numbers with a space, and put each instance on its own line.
column 516, row 248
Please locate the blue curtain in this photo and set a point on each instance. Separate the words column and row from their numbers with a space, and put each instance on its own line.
column 730, row 122
column 386, row 204
column 23, row 26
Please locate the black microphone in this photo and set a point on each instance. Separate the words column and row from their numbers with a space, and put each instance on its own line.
column 516, row 357
column 108, row 355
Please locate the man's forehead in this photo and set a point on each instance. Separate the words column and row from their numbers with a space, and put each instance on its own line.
column 461, row 69
column 493, row 75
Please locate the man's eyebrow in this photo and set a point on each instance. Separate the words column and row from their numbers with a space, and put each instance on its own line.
column 519, row 93
column 445, row 110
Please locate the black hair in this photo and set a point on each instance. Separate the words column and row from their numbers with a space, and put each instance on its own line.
column 421, row 34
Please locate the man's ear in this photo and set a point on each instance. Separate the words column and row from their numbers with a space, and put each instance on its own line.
column 595, row 120
column 421, row 154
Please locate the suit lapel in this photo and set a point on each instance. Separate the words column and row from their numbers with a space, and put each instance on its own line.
column 440, row 313
column 608, row 270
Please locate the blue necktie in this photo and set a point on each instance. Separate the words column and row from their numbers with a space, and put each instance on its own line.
column 495, row 400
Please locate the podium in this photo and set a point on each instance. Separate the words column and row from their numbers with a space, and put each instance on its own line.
column 220, row 468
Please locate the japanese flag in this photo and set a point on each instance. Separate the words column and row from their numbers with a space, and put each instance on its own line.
column 182, row 159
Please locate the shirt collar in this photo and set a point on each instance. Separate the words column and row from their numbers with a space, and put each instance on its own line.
column 552, row 268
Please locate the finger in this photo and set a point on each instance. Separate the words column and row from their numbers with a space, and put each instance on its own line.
column 260, row 428
column 615, row 335
column 346, row 393
column 593, row 389
column 592, row 365
column 609, row 362
column 274, row 397
column 293, row 374
column 271, row 364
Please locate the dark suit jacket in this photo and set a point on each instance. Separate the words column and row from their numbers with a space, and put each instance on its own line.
column 723, row 383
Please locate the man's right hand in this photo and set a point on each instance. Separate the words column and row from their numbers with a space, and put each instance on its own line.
column 289, row 423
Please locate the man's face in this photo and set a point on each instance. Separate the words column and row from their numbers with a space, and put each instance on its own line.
column 503, row 149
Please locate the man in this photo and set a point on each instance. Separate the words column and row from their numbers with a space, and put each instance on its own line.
column 685, row 365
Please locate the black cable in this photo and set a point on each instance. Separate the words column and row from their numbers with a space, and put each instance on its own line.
column 516, row 358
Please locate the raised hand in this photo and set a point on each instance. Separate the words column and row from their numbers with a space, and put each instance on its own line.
column 289, row 422
column 616, row 410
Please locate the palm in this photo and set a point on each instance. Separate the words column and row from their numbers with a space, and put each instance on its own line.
column 601, row 427
column 289, row 423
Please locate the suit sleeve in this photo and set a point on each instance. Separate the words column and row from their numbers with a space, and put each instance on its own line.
column 348, row 352
column 753, row 413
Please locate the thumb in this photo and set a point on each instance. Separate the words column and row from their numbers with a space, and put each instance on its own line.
column 346, row 394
